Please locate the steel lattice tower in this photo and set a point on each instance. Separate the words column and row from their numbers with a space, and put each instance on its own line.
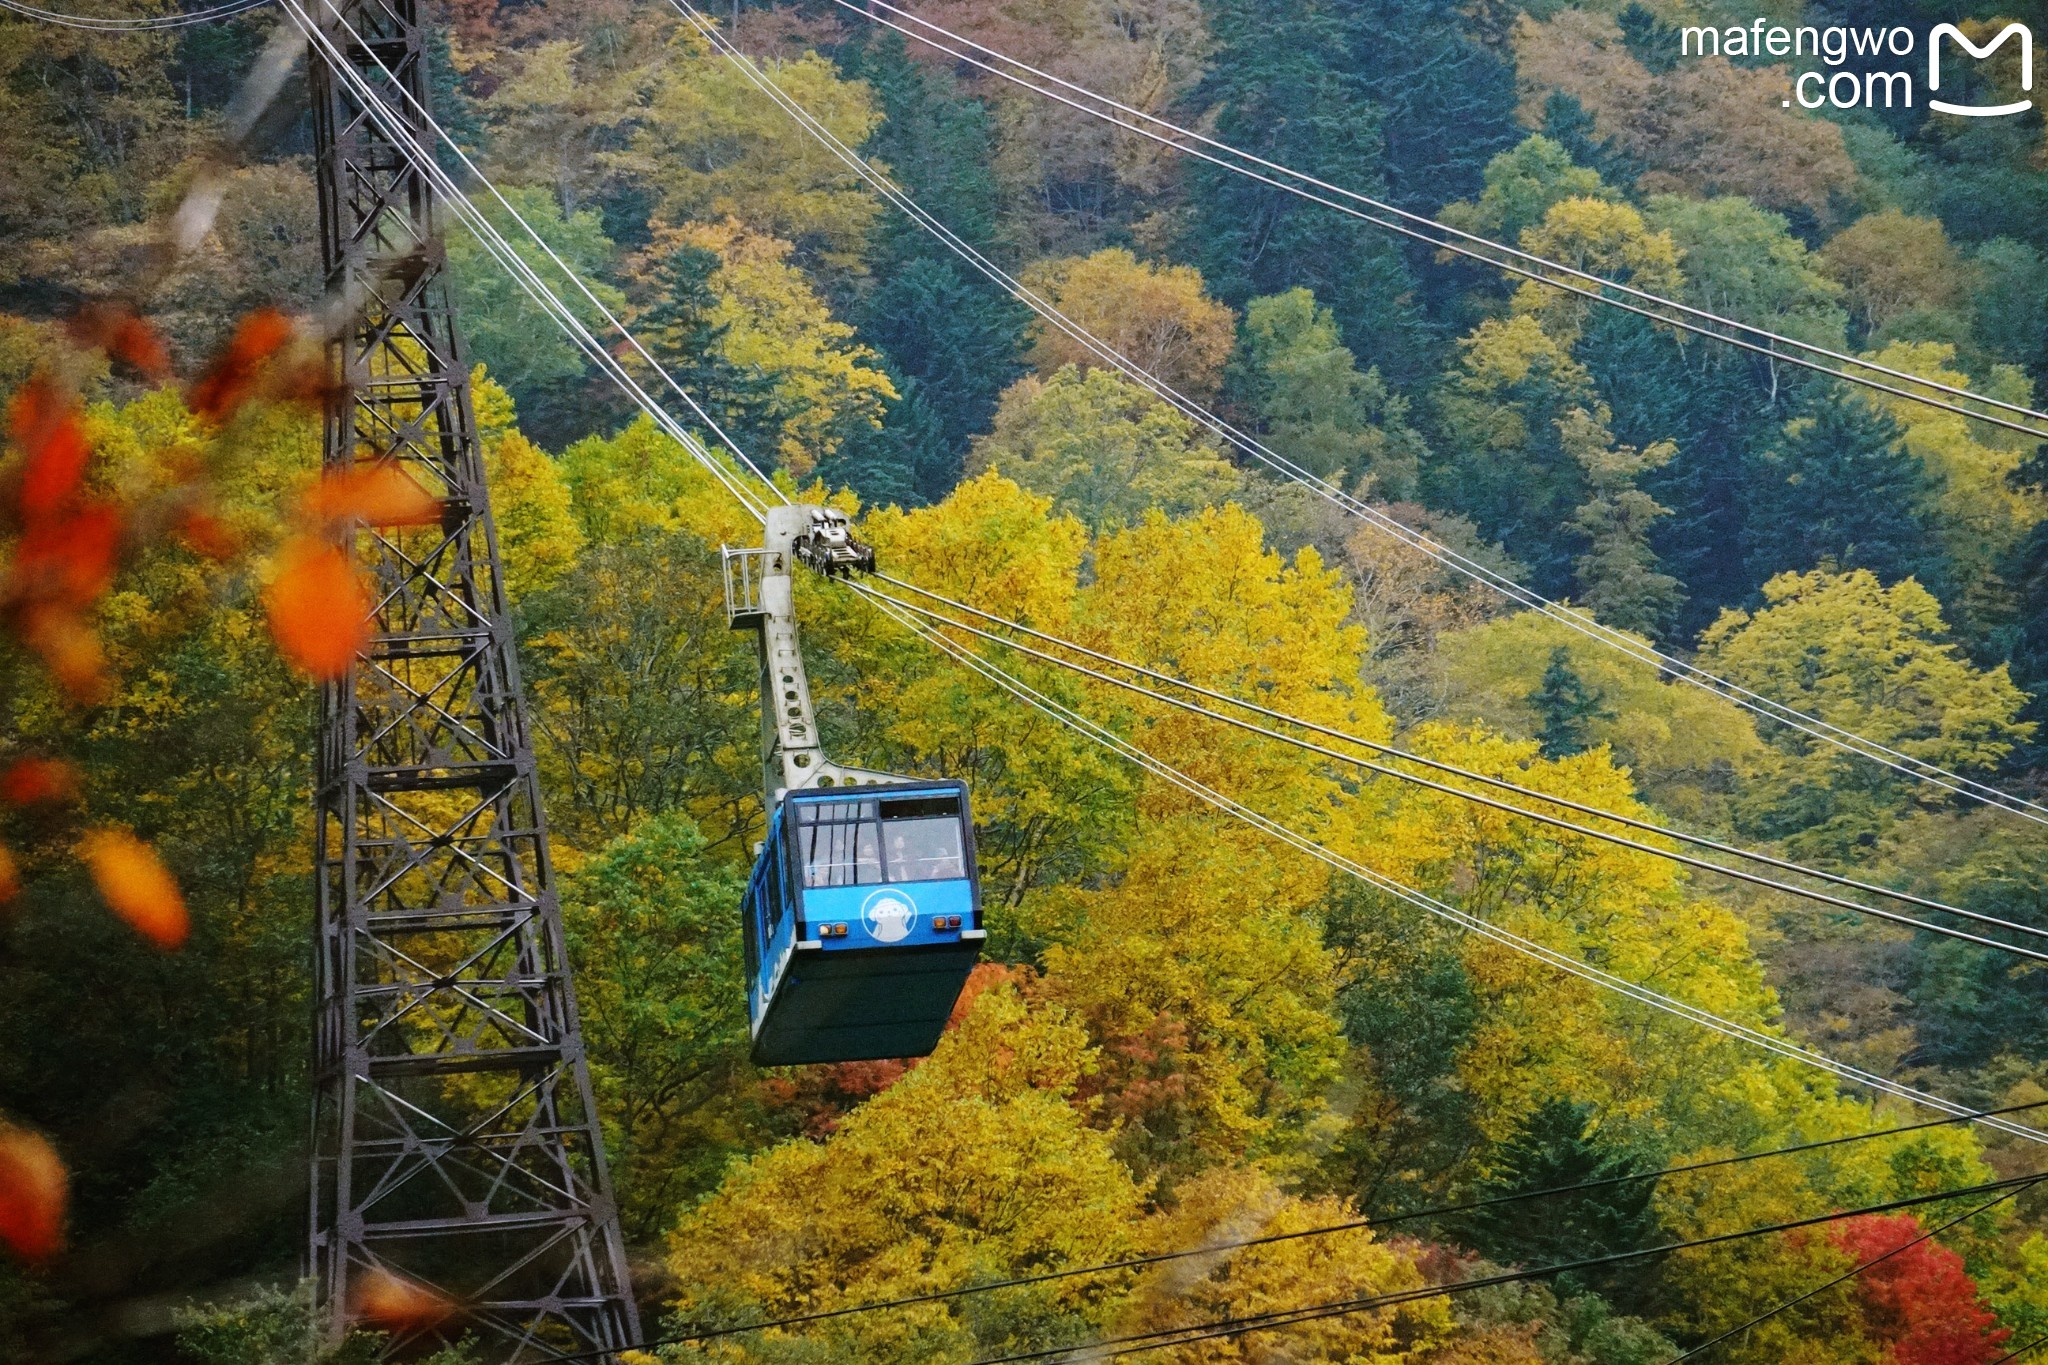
column 455, row 1143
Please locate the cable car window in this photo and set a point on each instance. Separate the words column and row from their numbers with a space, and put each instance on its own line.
column 921, row 840
column 839, row 843
column 862, row 843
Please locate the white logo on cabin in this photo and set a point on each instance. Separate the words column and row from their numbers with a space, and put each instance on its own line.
column 888, row 914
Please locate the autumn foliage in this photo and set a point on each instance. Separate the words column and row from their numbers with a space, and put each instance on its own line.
column 33, row 1192
column 319, row 609
column 231, row 380
column 132, row 881
column 70, row 540
column 1916, row 1294
column 66, row 543
column 33, row 781
column 399, row 1305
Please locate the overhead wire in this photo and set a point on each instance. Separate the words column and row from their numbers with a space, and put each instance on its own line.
column 156, row 23
column 1586, row 831
column 401, row 135
column 1164, row 1337
column 507, row 256
column 1904, row 763
column 1220, row 1248
column 2018, row 1351
column 374, row 104
column 1847, row 1275
column 1997, row 798
column 1465, row 774
column 394, row 126
column 1475, row 924
column 1775, row 711
column 1422, row 224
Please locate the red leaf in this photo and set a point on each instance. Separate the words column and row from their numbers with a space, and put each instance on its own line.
column 396, row 1304
column 30, row 780
column 70, row 560
column 46, row 425
column 376, row 493
column 33, row 1191
column 114, row 328
column 319, row 609
column 10, row 876
column 1919, row 1300
column 135, row 886
column 231, row 380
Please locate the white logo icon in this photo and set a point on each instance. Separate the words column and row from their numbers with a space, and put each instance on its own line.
column 2026, row 36
column 888, row 914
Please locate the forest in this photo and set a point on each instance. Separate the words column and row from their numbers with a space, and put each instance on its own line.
column 1184, row 1032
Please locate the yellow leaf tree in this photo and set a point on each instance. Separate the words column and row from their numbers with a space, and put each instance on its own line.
column 973, row 1167
column 1104, row 449
column 774, row 320
column 1874, row 660
column 714, row 147
column 1159, row 316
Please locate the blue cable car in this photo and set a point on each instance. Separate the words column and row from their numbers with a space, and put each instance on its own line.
column 863, row 919
column 863, row 913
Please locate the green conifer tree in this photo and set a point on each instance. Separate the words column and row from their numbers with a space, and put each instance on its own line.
column 1566, row 707
column 1840, row 489
column 678, row 331
column 1558, row 1146
column 1281, row 89
column 1650, row 40
column 961, row 344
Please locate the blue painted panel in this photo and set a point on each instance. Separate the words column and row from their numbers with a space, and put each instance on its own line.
column 772, row 925
column 892, row 915
column 886, row 987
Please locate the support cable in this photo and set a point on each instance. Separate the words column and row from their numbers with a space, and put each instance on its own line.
column 1640, row 650
column 1120, row 115
column 496, row 243
column 1330, row 1229
column 1622, row 841
column 1409, row 756
column 157, row 23
column 943, row 643
column 1472, row 923
column 2018, row 1351
column 1899, row 761
column 487, row 234
column 1846, row 1275
column 1162, row 1338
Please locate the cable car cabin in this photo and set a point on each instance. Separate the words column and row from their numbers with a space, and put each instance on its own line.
column 863, row 918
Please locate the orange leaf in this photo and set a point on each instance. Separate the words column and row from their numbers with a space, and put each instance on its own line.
column 319, row 608
column 10, row 876
column 45, row 423
column 70, row 559
column 114, row 328
column 231, row 380
column 33, row 1191
column 376, row 493
column 30, row 780
column 70, row 649
column 207, row 535
column 397, row 1304
column 136, row 887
